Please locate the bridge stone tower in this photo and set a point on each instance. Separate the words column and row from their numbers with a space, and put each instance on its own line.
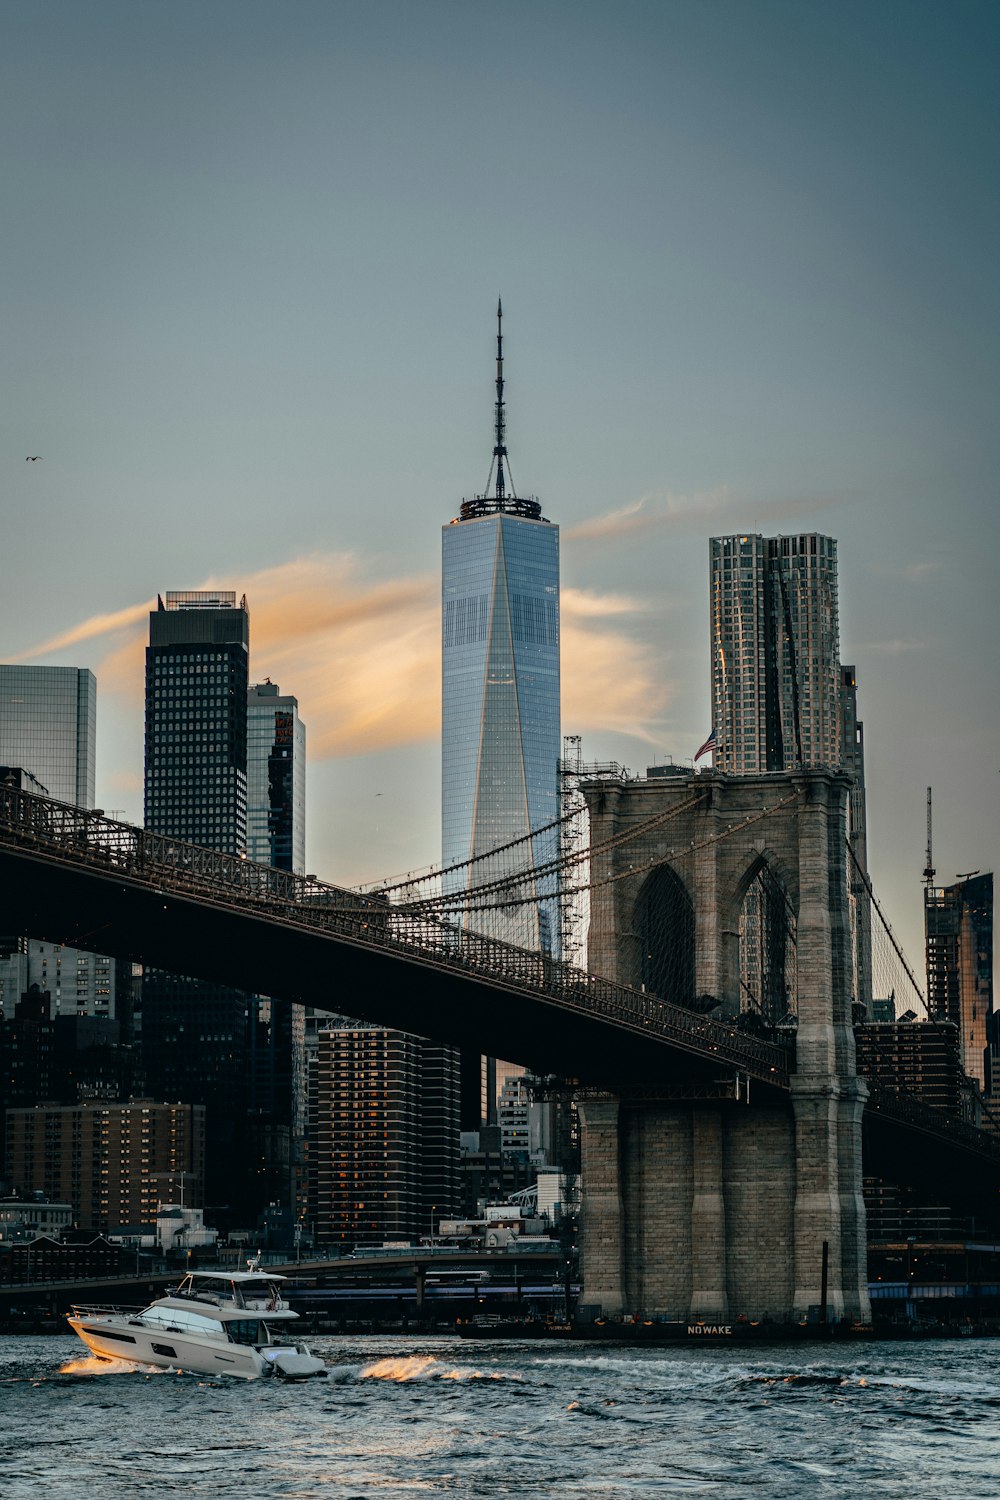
column 711, row 1208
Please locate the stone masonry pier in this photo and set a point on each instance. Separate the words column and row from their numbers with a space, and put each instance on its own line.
column 716, row 1208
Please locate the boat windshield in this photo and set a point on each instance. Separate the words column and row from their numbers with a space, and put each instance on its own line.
column 247, row 1331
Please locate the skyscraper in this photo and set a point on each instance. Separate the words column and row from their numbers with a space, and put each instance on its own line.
column 776, row 679
column 197, row 668
column 48, row 734
column 384, row 1131
column 500, row 687
column 48, row 726
column 276, row 835
column 276, row 798
column 500, row 700
column 958, row 921
column 780, row 699
column 195, row 1034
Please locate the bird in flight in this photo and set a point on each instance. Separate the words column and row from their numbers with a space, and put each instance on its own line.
column 32, row 458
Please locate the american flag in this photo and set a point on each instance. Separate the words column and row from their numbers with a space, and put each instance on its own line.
column 707, row 746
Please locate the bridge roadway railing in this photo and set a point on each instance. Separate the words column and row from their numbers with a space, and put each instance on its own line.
column 166, row 864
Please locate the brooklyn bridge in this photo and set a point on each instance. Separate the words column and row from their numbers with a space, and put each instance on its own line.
column 723, row 1142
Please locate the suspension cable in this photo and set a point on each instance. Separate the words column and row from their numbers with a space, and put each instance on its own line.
column 866, row 881
column 457, row 903
column 553, row 866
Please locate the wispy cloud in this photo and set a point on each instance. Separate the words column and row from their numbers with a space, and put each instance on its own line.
column 90, row 629
column 890, row 648
column 363, row 656
column 712, row 509
column 913, row 572
column 581, row 604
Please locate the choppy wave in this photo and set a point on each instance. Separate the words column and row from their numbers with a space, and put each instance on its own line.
column 439, row 1417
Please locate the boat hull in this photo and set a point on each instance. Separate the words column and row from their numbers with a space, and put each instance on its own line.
column 115, row 1338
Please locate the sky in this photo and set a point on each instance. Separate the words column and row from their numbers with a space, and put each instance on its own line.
column 748, row 255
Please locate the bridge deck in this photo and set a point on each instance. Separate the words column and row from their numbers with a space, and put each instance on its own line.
column 82, row 879
column 85, row 880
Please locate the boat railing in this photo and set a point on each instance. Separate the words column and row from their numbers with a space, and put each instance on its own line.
column 106, row 1309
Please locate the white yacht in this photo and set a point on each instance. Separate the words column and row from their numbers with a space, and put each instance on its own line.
column 214, row 1323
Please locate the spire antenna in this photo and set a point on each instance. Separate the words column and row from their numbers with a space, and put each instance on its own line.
column 499, row 448
column 504, row 499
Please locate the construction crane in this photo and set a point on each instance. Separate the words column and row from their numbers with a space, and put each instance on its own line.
column 929, row 870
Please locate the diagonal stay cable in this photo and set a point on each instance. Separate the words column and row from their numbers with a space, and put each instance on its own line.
column 458, row 904
column 533, row 873
column 435, row 872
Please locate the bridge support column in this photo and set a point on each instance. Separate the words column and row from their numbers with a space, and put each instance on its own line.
column 828, row 1201
column 827, row 1096
column 602, row 1229
column 853, row 1216
column 817, row 1196
column 687, row 1209
column 709, row 1298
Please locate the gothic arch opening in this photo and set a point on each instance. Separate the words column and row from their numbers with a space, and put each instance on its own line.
column 767, row 934
column 664, row 925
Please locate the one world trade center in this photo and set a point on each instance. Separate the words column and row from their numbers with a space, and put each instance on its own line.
column 500, row 700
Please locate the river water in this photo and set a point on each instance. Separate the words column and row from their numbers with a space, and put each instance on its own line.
column 439, row 1417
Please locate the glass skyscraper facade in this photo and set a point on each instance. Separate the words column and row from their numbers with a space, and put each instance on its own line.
column 276, row 835
column 276, row 767
column 48, row 733
column 500, row 698
column 48, row 727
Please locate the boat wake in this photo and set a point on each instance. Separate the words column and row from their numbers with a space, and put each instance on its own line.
column 91, row 1365
column 403, row 1368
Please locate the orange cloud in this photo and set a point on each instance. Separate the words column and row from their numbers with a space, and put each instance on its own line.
column 610, row 681
column 87, row 630
column 364, row 657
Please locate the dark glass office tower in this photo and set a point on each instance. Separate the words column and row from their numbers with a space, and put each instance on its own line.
column 197, row 669
column 276, row 772
column 500, row 692
column 195, row 1034
column 276, row 835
